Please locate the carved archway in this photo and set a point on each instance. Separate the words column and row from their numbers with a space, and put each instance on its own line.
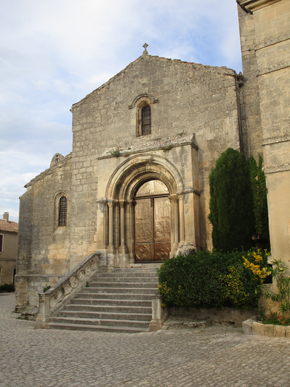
column 123, row 184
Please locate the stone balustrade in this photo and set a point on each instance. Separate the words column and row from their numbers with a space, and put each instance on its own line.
column 67, row 287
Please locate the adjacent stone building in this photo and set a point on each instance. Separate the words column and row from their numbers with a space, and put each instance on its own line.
column 265, row 42
column 135, row 187
column 8, row 249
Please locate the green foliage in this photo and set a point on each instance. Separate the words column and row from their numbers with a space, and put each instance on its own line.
column 259, row 194
column 46, row 288
column 281, row 274
column 167, row 148
column 231, row 210
column 116, row 152
column 274, row 319
column 7, row 288
column 210, row 279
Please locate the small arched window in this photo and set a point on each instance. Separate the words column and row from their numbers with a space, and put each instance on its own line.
column 62, row 211
column 145, row 120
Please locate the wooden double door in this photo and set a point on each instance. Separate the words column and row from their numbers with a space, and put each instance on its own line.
column 152, row 228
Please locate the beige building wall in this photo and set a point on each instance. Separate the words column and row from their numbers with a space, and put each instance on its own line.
column 44, row 248
column 267, row 25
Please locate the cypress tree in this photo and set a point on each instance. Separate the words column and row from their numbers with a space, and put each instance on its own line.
column 231, row 205
column 259, row 192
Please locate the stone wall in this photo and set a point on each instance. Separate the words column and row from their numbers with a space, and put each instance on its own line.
column 265, row 37
column 251, row 115
column 44, row 248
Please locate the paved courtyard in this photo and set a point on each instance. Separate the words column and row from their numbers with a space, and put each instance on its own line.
column 216, row 356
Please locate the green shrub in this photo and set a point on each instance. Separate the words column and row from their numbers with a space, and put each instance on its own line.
column 231, row 205
column 46, row 288
column 213, row 279
column 281, row 274
column 7, row 288
column 259, row 195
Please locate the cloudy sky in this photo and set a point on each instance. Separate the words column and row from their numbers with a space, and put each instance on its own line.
column 54, row 52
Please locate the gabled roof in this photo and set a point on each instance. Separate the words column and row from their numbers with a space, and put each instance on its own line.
column 8, row 226
column 219, row 70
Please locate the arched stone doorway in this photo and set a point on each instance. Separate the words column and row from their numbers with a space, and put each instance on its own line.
column 117, row 208
column 152, row 222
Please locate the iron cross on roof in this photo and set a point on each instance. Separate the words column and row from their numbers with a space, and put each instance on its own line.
column 145, row 45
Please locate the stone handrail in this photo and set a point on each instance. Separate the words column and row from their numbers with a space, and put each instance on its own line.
column 56, row 297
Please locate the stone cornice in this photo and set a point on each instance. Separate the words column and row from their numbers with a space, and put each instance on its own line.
column 276, row 140
column 253, row 5
column 145, row 145
column 276, row 168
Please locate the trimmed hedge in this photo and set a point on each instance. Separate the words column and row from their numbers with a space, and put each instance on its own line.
column 213, row 279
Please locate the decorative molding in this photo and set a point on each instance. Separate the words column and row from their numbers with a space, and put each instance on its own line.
column 101, row 201
column 243, row 7
column 272, row 42
column 144, row 145
column 144, row 95
column 279, row 66
column 277, row 168
column 276, row 140
column 188, row 191
column 254, row 5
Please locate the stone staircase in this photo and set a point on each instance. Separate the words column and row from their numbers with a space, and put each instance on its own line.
column 118, row 301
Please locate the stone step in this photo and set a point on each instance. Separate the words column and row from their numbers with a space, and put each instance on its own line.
column 95, row 328
column 104, row 322
column 133, row 273
column 148, row 285
column 112, row 302
column 124, row 279
column 109, row 308
column 147, row 269
column 115, row 296
column 118, row 301
column 118, row 289
column 106, row 315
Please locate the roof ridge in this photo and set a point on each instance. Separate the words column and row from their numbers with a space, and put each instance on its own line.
column 147, row 56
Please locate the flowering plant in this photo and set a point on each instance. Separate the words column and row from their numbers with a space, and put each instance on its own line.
column 256, row 262
column 281, row 274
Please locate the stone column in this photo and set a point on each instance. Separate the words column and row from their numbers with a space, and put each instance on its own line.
column 102, row 219
column 123, row 248
column 191, row 218
column 181, row 218
column 110, row 248
column 176, row 221
column 174, row 203
column 131, row 231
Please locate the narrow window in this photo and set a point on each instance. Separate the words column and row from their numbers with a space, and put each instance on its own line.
column 1, row 243
column 62, row 211
column 146, row 120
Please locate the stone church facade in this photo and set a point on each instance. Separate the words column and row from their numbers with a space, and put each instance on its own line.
column 135, row 187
